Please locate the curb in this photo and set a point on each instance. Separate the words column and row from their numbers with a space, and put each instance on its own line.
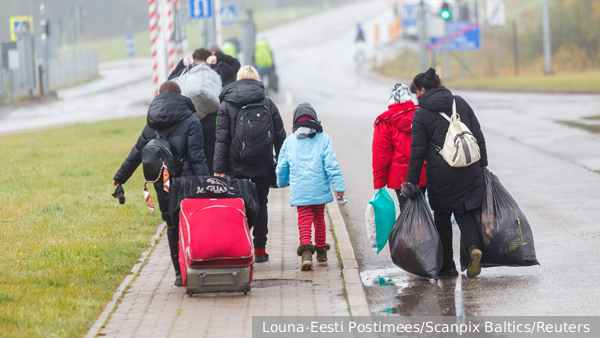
column 357, row 299
column 112, row 304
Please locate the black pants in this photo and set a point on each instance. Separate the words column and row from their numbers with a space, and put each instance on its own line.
column 468, row 229
column 260, row 228
column 209, row 128
column 402, row 200
column 172, row 229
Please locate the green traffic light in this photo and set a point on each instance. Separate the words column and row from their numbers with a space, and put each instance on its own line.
column 445, row 14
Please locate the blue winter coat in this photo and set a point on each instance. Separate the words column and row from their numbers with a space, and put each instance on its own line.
column 310, row 167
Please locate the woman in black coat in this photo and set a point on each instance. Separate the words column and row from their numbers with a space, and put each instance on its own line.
column 170, row 112
column 245, row 91
column 452, row 190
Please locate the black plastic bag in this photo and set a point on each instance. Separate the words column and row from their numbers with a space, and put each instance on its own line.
column 505, row 236
column 414, row 241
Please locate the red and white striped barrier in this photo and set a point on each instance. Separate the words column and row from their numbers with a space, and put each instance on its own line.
column 162, row 47
column 154, row 33
column 169, row 10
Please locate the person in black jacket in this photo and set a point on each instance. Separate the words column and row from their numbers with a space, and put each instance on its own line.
column 452, row 190
column 227, row 67
column 246, row 90
column 173, row 112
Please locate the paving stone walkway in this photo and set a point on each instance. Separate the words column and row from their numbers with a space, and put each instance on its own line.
column 153, row 307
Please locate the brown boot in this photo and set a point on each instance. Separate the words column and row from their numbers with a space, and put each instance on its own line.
column 306, row 251
column 322, row 254
column 475, row 265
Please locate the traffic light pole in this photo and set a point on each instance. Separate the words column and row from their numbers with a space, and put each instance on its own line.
column 547, row 39
column 446, row 53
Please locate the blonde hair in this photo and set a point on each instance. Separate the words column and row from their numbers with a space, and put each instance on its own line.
column 247, row 72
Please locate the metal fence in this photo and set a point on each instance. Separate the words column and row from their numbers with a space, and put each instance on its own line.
column 65, row 70
column 73, row 68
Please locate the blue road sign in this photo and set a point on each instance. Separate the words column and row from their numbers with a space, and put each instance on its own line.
column 228, row 15
column 200, row 9
column 462, row 36
column 130, row 46
column 410, row 15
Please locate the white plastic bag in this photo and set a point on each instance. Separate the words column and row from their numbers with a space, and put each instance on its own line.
column 203, row 85
column 371, row 229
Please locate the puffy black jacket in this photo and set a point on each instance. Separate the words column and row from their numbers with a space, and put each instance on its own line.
column 227, row 66
column 233, row 98
column 450, row 189
column 166, row 110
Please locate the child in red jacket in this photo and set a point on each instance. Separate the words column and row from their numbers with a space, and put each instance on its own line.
column 391, row 143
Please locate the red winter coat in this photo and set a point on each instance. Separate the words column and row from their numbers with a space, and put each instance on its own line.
column 391, row 146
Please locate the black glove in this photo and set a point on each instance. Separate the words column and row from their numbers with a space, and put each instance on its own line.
column 410, row 190
column 120, row 194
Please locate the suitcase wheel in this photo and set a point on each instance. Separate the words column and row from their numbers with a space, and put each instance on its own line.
column 245, row 291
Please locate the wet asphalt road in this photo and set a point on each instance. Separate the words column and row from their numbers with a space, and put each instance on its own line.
column 552, row 170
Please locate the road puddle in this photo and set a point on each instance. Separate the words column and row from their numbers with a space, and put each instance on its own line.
column 384, row 277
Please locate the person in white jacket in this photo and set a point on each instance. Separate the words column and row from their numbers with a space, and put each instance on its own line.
column 307, row 162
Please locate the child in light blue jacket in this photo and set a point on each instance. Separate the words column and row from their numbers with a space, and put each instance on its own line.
column 307, row 163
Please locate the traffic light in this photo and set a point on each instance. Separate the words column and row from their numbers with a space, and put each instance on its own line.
column 445, row 12
column 45, row 29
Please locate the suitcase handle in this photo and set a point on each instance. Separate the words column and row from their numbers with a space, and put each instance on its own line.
column 204, row 274
column 211, row 185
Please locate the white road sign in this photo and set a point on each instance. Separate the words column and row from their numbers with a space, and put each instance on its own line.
column 496, row 12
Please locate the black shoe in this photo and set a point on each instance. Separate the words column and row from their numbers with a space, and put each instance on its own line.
column 448, row 273
column 261, row 258
column 178, row 280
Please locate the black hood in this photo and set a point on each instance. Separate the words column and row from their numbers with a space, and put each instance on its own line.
column 168, row 109
column 243, row 92
column 437, row 100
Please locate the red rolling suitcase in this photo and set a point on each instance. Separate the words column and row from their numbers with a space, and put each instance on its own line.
column 215, row 247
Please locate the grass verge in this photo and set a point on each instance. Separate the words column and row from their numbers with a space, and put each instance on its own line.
column 66, row 243
column 576, row 82
column 406, row 66
column 594, row 128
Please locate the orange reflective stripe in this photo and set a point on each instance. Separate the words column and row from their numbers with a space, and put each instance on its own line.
column 148, row 199
column 166, row 179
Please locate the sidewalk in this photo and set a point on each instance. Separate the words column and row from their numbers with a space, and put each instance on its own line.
column 153, row 306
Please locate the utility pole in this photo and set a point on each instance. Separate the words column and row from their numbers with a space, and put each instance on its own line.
column 218, row 25
column 516, row 48
column 248, row 39
column 547, row 39
column 1, row 72
column 44, row 35
column 497, row 38
column 78, row 24
column 424, row 59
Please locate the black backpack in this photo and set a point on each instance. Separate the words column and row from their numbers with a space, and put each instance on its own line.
column 157, row 153
column 252, row 140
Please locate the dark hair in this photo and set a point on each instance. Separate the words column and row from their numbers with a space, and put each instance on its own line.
column 170, row 86
column 201, row 54
column 427, row 80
